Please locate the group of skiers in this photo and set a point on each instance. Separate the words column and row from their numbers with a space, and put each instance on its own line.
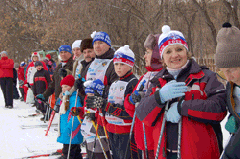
column 173, row 111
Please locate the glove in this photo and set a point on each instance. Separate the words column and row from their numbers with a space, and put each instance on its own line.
column 75, row 111
column 172, row 90
column 95, row 102
column 66, row 93
column 90, row 116
column 136, row 97
column 172, row 115
column 56, row 108
column 62, row 72
column 231, row 125
column 28, row 85
column 40, row 96
column 79, row 83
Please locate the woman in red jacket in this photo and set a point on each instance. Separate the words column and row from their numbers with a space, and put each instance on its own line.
column 6, row 79
column 196, row 101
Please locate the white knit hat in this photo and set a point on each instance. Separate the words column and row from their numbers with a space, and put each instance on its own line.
column 124, row 55
column 76, row 43
column 35, row 54
column 170, row 37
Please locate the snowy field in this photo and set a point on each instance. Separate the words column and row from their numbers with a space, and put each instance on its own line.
column 17, row 142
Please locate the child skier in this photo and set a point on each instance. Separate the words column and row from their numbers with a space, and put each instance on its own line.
column 69, row 124
column 21, row 79
column 118, row 120
column 41, row 81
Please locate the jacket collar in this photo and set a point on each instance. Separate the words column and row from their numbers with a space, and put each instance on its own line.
column 107, row 55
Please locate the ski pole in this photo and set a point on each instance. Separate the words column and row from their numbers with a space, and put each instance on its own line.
column 145, row 142
column 50, row 122
column 225, row 146
column 46, row 115
column 162, row 130
column 179, row 138
column 95, row 140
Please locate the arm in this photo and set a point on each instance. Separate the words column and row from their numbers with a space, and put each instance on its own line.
column 51, row 87
column 47, row 75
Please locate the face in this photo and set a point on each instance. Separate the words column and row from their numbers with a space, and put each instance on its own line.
column 35, row 58
column 65, row 55
column 121, row 69
column 148, row 57
column 88, row 54
column 66, row 88
column 77, row 52
column 39, row 68
column 232, row 74
column 100, row 47
column 175, row 56
column 3, row 55
column 90, row 94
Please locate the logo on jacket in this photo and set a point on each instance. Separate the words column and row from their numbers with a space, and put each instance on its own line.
column 121, row 88
column 104, row 64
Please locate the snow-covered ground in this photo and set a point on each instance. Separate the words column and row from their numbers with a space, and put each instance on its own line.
column 17, row 142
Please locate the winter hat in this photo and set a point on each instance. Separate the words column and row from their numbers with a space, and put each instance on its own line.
column 38, row 63
column 22, row 64
column 68, row 80
column 170, row 37
column 151, row 42
column 101, row 36
column 35, row 54
column 65, row 48
column 16, row 65
column 48, row 56
column 124, row 55
column 76, row 43
column 4, row 52
column 228, row 47
column 96, row 85
column 86, row 44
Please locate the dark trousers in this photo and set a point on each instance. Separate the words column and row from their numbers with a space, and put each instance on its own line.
column 15, row 92
column 171, row 155
column 92, row 155
column 7, row 89
column 22, row 92
column 75, row 151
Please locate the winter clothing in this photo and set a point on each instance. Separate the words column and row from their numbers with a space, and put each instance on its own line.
column 170, row 37
column 65, row 48
column 227, row 50
column 51, row 66
column 15, row 91
column 201, row 132
column 75, row 151
column 96, row 85
column 6, row 67
column 48, row 56
column 41, row 81
column 68, row 80
column 76, row 43
column 38, row 63
column 101, row 36
column 77, row 67
column 86, row 44
column 22, row 64
column 124, row 55
column 31, row 70
column 16, row 65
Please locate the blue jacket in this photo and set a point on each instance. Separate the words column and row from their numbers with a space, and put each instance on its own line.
column 66, row 126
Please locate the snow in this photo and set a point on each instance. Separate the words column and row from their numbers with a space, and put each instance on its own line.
column 17, row 142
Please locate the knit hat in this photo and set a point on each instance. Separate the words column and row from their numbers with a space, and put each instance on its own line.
column 48, row 56
column 101, row 36
column 96, row 85
column 68, row 80
column 86, row 44
column 228, row 47
column 65, row 48
column 124, row 55
column 5, row 52
column 170, row 37
column 22, row 64
column 16, row 65
column 151, row 42
column 38, row 63
column 35, row 54
column 76, row 43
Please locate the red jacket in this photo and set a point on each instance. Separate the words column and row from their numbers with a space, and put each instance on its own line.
column 6, row 67
column 20, row 73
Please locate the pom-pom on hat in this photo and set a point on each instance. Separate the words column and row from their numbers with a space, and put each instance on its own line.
column 96, row 85
column 228, row 47
column 170, row 37
column 76, row 43
column 124, row 55
column 68, row 80
column 65, row 48
column 38, row 63
column 48, row 56
column 22, row 64
column 101, row 36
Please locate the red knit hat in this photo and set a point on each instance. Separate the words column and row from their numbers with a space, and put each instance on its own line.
column 68, row 80
column 48, row 56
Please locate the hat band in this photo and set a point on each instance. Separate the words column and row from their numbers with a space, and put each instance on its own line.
column 124, row 61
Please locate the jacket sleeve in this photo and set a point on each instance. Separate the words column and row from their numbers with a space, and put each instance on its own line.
column 34, row 86
column 211, row 110
column 51, row 87
column 48, row 77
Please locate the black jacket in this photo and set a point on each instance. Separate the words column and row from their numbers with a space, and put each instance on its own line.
column 41, row 81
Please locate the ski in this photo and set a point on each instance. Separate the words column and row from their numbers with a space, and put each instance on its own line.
column 58, row 152
column 35, row 126
column 30, row 115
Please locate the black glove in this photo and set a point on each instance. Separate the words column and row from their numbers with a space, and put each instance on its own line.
column 62, row 72
column 29, row 86
column 90, row 116
column 75, row 111
column 78, row 84
column 136, row 97
column 56, row 108
column 95, row 102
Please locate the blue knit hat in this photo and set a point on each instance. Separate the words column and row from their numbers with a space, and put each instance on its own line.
column 101, row 36
column 22, row 64
column 94, row 85
column 65, row 48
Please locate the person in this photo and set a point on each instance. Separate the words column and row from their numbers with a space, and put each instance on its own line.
column 51, row 64
column 153, row 66
column 20, row 71
column 62, row 70
column 68, row 125
column 15, row 76
column 186, row 96
column 6, row 79
column 78, row 58
column 227, row 59
column 41, row 80
column 118, row 120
